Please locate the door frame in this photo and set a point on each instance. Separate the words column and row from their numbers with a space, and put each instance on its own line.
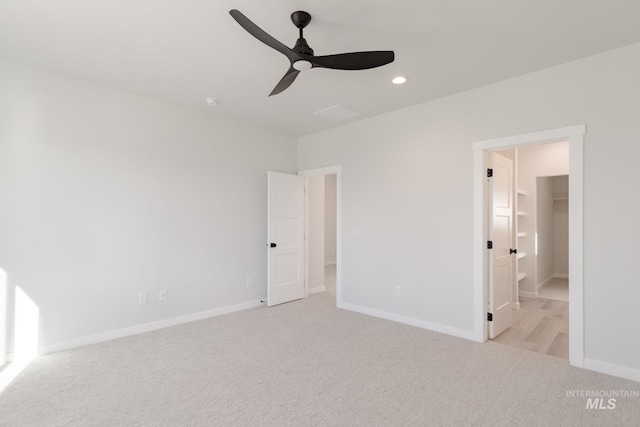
column 330, row 170
column 575, row 136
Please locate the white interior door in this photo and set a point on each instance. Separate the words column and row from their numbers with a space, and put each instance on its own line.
column 285, row 252
column 501, row 233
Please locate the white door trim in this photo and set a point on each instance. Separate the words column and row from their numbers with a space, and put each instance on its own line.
column 575, row 136
column 337, row 170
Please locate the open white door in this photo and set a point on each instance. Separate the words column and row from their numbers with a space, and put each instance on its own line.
column 285, row 254
column 501, row 256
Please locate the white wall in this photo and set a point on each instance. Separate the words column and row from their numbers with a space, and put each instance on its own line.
column 408, row 187
column 315, row 227
column 509, row 153
column 105, row 194
column 545, row 233
column 330, row 219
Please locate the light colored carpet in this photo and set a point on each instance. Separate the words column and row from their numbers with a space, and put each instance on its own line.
column 306, row 363
column 557, row 289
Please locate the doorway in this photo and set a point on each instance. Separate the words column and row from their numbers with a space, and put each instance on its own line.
column 323, row 236
column 575, row 137
column 538, row 313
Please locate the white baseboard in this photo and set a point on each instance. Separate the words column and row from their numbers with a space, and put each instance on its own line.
column 545, row 282
column 561, row 276
column 611, row 369
column 528, row 294
column 436, row 327
column 328, row 263
column 145, row 327
column 514, row 305
column 317, row 290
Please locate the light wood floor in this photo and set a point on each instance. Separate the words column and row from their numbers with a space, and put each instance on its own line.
column 541, row 325
column 557, row 289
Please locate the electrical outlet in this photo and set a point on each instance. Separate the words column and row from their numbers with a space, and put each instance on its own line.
column 398, row 293
column 142, row 298
column 249, row 281
column 162, row 295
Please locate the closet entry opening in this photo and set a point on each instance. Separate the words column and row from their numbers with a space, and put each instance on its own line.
column 527, row 216
column 323, row 235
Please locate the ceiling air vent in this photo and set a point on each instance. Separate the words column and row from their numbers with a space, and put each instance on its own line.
column 337, row 113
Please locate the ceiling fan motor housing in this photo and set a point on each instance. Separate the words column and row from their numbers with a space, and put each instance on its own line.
column 301, row 19
column 302, row 47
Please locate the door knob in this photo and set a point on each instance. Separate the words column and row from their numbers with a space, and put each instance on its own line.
column 513, row 251
column 273, row 245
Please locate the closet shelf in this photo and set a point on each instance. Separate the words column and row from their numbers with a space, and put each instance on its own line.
column 521, row 276
column 560, row 199
column 522, row 234
column 522, row 192
column 521, row 255
column 522, row 213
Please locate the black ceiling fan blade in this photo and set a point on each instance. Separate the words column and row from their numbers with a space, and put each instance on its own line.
column 285, row 81
column 261, row 35
column 354, row 60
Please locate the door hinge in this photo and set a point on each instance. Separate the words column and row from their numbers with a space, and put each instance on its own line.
column 489, row 173
column 489, row 244
column 490, row 317
column 513, row 251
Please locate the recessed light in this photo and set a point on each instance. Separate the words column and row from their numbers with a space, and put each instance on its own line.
column 399, row 80
column 212, row 101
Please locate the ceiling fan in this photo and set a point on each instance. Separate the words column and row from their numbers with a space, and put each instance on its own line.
column 301, row 55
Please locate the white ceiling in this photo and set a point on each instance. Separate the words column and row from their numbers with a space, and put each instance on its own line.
column 185, row 51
